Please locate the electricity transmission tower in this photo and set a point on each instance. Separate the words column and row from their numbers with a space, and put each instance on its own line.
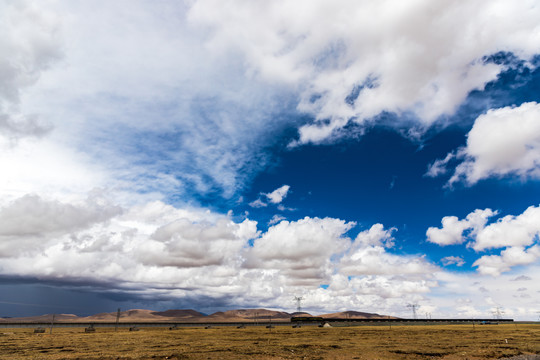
column 498, row 313
column 413, row 308
column 298, row 300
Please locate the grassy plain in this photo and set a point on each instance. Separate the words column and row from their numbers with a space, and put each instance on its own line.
column 283, row 342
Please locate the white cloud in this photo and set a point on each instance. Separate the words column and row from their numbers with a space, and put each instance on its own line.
column 276, row 218
column 277, row 196
column 146, row 247
column 512, row 256
column 350, row 61
column 520, row 230
column 451, row 260
column 274, row 197
column 146, row 104
column 31, row 215
column 452, row 229
column 154, row 250
column 258, row 204
column 201, row 88
column 185, row 244
column 439, row 167
column 28, row 46
column 522, row 278
column 300, row 250
column 375, row 236
column 43, row 166
column 519, row 235
column 159, row 104
column 282, row 207
column 367, row 256
column 516, row 235
column 463, row 294
column 502, row 142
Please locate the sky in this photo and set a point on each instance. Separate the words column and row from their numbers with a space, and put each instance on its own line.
column 217, row 155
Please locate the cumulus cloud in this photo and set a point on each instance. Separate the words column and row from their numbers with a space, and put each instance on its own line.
column 144, row 248
column 502, row 142
column 301, row 250
column 348, row 67
column 452, row 229
column 512, row 256
column 516, row 235
column 33, row 215
column 31, row 223
column 520, row 230
column 185, row 244
column 156, row 250
column 367, row 256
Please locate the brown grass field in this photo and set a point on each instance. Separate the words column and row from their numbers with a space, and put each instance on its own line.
column 282, row 342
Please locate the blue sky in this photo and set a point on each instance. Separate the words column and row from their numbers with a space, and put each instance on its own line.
column 361, row 155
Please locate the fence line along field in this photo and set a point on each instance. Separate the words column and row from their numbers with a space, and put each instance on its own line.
column 362, row 342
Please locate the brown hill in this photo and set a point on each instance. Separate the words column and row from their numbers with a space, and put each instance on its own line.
column 141, row 315
column 129, row 315
column 248, row 315
column 355, row 315
column 300, row 314
column 240, row 315
column 180, row 314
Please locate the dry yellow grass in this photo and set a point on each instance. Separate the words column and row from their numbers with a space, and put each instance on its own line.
column 283, row 342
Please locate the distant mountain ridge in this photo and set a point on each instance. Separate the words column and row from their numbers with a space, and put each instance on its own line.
column 356, row 315
column 189, row 315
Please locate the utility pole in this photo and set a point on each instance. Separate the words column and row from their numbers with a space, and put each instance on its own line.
column 52, row 323
column 117, row 320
